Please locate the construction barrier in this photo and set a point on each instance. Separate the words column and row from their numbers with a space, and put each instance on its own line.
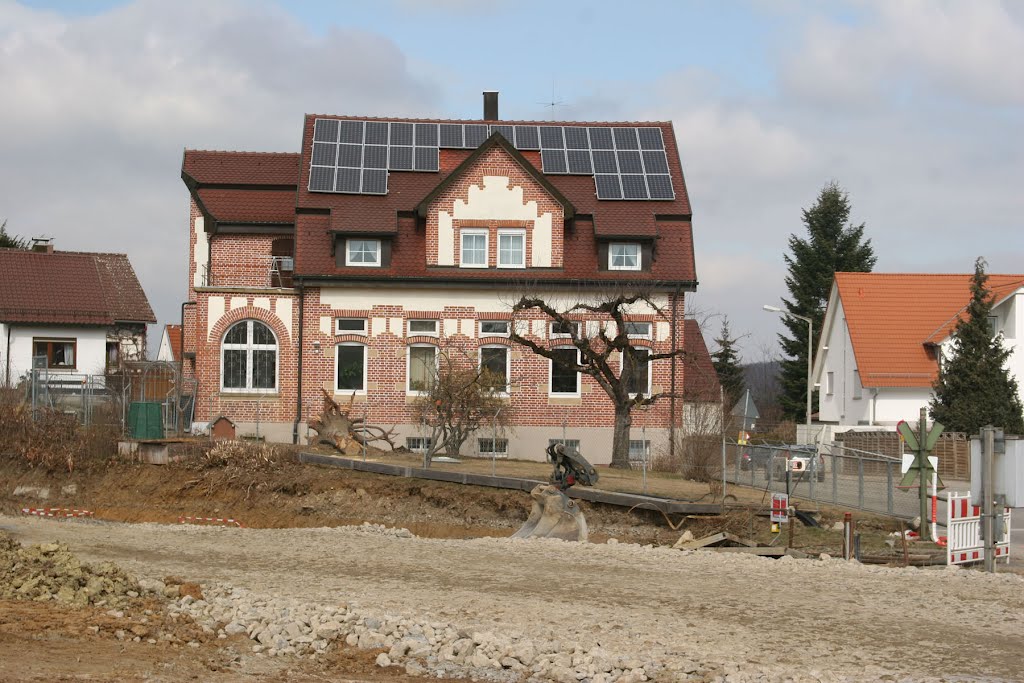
column 210, row 520
column 56, row 512
column 964, row 544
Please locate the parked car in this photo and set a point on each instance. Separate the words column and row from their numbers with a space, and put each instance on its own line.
column 773, row 460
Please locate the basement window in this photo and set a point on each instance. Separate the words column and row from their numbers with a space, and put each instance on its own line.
column 495, row 447
column 639, row 450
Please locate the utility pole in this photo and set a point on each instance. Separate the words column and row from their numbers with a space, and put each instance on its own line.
column 988, row 438
column 923, row 477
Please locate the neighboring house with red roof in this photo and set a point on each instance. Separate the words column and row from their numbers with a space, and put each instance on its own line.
column 348, row 267
column 74, row 312
column 170, row 344
column 702, row 392
column 884, row 337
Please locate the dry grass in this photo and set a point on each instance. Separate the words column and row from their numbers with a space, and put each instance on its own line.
column 53, row 440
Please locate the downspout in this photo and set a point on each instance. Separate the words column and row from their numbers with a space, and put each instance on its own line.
column 298, row 391
column 7, row 379
column 672, row 395
column 181, row 362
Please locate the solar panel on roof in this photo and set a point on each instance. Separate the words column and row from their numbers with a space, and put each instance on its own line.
column 629, row 161
column 376, row 133
column 551, row 137
column 426, row 135
column 601, row 138
column 475, row 133
column 527, row 137
column 401, row 133
column 375, row 181
column 650, row 138
column 321, row 179
column 633, row 186
column 400, row 159
column 451, row 135
column 576, row 138
column 375, row 156
column 507, row 132
column 351, row 132
column 655, row 162
column 426, row 159
column 660, row 187
column 325, row 154
column 625, row 138
column 604, row 161
column 348, row 180
column 579, row 162
column 350, row 156
column 325, row 130
column 553, row 161
column 608, row 186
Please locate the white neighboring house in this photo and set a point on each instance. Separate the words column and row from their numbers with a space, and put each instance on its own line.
column 77, row 313
column 884, row 335
column 170, row 344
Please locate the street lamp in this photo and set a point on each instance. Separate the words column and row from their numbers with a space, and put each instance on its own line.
column 810, row 337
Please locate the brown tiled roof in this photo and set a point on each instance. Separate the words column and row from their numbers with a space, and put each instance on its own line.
column 173, row 333
column 71, row 288
column 893, row 318
column 249, row 206
column 700, row 381
column 209, row 167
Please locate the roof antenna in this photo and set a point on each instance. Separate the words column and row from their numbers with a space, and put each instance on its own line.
column 553, row 103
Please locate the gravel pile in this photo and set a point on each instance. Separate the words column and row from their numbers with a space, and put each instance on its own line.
column 50, row 572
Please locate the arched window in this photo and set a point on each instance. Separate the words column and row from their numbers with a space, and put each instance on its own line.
column 249, row 358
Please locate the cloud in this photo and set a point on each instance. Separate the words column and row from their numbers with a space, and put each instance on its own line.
column 98, row 109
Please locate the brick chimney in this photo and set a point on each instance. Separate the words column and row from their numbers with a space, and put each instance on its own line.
column 490, row 105
column 42, row 244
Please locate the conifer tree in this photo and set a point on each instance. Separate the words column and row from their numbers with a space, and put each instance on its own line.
column 832, row 245
column 727, row 364
column 974, row 387
column 11, row 241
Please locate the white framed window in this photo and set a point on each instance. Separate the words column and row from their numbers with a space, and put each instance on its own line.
column 362, row 253
column 511, row 248
column 418, row 444
column 494, row 328
column 830, row 379
column 565, row 330
column 640, row 381
column 497, row 360
column 350, row 366
column 564, row 378
column 422, row 327
column 350, row 326
column 248, row 361
column 574, row 444
column 624, row 256
column 858, row 390
column 474, row 249
column 636, row 330
column 639, row 450
column 495, row 447
column 421, row 368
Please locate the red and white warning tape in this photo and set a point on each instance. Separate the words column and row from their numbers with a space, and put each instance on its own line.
column 210, row 520
column 57, row 512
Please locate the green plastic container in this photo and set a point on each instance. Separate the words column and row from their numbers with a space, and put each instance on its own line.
column 146, row 420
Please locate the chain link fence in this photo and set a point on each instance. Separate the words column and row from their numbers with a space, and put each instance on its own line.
column 105, row 399
column 835, row 475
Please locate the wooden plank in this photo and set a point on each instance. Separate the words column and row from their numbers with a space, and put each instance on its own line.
column 667, row 506
column 704, row 542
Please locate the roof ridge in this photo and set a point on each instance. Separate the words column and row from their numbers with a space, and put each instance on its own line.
column 905, row 274
column 497, row 122
column 242, row 151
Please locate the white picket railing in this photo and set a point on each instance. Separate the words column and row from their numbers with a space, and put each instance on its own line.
column 963, row 537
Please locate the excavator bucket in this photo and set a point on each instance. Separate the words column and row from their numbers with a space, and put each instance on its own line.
column 554, row 515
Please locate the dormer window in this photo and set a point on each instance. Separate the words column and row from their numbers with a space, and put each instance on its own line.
column 474, row 249
column 361, row 252
column 624, row 256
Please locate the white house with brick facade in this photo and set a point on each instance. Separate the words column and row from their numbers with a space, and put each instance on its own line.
column 346, row 267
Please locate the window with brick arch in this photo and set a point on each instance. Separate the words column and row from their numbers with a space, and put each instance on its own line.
column 249, row 358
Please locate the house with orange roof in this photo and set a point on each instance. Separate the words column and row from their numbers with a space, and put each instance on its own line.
column 885, row 335
column 170, row 344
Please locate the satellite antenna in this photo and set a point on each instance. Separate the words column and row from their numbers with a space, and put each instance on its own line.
column 552, row 103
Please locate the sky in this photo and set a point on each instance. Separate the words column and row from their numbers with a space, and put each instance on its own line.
column 915, row 107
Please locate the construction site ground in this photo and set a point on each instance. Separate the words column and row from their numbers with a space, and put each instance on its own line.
column 731, row 615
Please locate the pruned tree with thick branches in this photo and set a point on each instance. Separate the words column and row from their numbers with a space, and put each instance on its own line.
column 598, row 355
column 460, row 397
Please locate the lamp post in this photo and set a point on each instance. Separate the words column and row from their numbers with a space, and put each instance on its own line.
column 810, row 341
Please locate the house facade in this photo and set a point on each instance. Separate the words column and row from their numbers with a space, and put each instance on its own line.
column 349, row 267
column 69, row 313
column 885, row 335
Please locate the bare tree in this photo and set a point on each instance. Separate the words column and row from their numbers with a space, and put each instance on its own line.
column 459, row 397
column 596, row 352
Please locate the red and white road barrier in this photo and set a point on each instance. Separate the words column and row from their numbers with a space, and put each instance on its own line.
column 57, row 512
column 210, row 520
column 964, row 544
